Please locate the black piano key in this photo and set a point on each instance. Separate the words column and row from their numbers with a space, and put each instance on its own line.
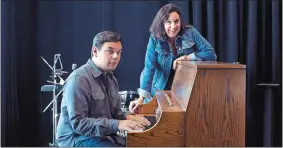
column 152, row 120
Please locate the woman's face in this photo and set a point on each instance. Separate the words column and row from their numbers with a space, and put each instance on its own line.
column 172, row 25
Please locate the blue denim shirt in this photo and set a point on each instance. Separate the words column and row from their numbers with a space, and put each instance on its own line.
column 90, row 106
column 159, row 58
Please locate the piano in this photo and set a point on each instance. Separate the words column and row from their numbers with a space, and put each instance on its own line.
column 205, row 107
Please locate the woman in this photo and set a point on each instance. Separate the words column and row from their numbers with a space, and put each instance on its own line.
column 169, row 41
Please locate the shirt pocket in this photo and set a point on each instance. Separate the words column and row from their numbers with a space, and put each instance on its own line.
column 98, row 95
column 162, row 56
column 115, row 97
column 188, row 47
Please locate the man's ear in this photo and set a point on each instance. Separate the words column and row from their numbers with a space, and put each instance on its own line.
column 94, row 51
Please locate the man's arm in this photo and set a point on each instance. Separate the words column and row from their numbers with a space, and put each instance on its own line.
column 77, row 95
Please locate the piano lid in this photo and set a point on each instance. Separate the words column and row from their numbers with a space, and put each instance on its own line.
column 210, row 64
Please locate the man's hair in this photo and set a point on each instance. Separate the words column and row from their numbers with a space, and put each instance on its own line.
column 105, row 36
column 157, row 26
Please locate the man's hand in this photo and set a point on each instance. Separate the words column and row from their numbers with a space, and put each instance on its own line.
column 139, row 118
column 135, row 104
column 129, row 125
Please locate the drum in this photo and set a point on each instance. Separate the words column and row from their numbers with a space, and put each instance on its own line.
column 126, row 97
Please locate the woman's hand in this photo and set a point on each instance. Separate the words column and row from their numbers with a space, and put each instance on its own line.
column 175, row 63
column 190, row 57
column 134, row 105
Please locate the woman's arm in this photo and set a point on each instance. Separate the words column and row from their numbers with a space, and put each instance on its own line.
column 205, row 50
column 149, row 69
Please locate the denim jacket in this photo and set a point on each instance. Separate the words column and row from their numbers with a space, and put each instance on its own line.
column 159, row 58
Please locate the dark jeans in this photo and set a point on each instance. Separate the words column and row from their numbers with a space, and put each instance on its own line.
column 96, row 142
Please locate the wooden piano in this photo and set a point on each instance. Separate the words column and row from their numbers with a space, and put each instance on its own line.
column 205, row 107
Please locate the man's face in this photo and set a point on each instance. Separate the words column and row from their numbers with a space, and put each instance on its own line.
column 108, row 57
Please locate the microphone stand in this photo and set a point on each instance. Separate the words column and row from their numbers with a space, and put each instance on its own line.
column 56, row 73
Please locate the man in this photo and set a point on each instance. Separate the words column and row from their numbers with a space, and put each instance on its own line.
column 90, row 108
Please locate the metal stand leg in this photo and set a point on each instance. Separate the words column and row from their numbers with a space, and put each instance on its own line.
column 268, row 130
column 268, row 118
column 54, row 117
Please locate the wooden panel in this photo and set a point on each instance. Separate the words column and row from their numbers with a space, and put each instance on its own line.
column 164, row 104
column 148, row 108
column 216, row 111
column 168, row 130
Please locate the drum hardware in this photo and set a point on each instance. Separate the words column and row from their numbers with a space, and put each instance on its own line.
column 57, row 84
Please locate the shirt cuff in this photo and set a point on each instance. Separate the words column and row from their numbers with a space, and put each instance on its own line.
column 144, row 93
column 195, row 57
column 113, row 125
column 121, row 115
column 124, row 116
